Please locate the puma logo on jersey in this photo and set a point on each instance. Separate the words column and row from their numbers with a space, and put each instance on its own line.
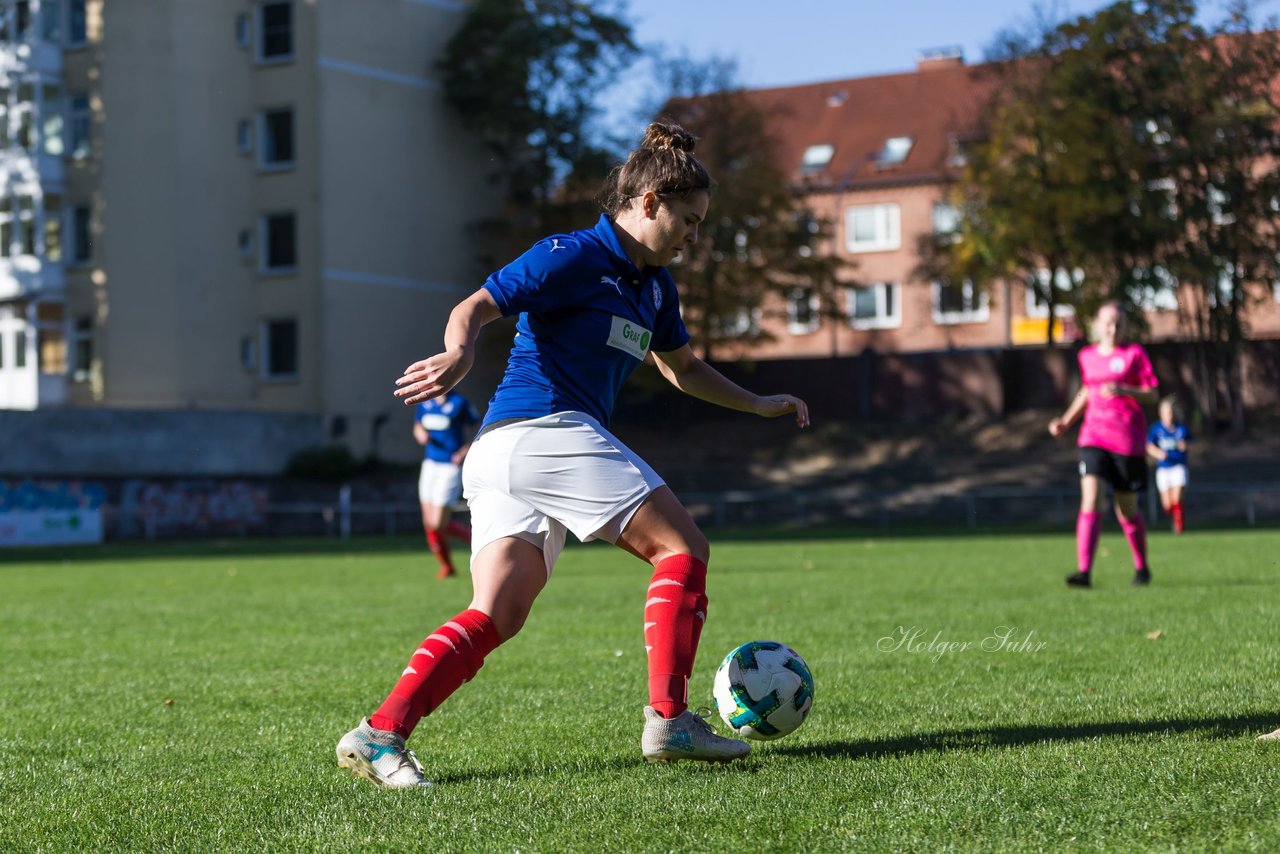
column 555, row 244
column 605, row 280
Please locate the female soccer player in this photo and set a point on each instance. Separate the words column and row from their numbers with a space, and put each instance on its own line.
column 1116, row 379
column 1167, row 444
column 592, row 305
column 441, row 426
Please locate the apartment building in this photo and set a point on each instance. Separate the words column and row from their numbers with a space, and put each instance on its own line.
column 874, row 156
column 248, row 205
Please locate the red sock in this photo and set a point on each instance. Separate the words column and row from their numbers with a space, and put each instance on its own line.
column 1088, row 527
column 448, row 657
column 673, row 618
column 440, row 548
column 458, row 531
column 1135, row 531
column 1177, row 517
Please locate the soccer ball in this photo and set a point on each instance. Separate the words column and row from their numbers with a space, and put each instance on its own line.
column 763, row 690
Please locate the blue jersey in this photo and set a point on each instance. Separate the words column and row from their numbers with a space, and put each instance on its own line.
column 1167, row 439
column 446, row 421
column 587, row 318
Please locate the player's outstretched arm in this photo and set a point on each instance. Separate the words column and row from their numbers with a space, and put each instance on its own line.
column 695, row 377
column 435, row 375
column 1059, row 425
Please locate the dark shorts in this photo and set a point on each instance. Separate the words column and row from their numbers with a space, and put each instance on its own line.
column 1125, row 474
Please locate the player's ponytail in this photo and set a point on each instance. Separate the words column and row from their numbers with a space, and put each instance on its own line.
column 663, row 163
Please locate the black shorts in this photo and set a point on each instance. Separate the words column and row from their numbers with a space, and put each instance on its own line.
column 1125, row 474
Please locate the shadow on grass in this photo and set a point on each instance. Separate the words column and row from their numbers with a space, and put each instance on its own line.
column 1246, row 726
column 1235, row 726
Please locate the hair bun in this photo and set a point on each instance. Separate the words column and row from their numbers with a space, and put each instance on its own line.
column 660, row 135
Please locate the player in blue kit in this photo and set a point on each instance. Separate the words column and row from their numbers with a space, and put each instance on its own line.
column 1167, row 444
column 591, row 306
column 442, row 426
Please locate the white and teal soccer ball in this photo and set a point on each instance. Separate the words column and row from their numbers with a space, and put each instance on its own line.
column 763, row 690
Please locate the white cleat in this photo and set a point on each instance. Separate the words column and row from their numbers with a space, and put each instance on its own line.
column 1271, row 736
column 380, row 757
column 686, row 736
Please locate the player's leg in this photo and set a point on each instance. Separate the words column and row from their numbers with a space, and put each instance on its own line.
column 1088, row 520
column 1135, row 532
column 432, row 523
column 663, row 534
column 1175, row 497
column 507, row 575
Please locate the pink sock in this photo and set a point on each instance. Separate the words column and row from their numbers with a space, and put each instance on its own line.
column 458, row 531
column 1088, row 527
column 1135, row 531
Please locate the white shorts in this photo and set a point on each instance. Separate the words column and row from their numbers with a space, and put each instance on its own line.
column 439, row 483
column 1167, row 477
column 539, row 478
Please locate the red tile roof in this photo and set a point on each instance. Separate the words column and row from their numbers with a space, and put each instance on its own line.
column 856, row 116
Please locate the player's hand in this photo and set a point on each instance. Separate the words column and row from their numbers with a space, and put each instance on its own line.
column 1109, row 390
column 1057, row 427
column 780, row 404
column 433, row 376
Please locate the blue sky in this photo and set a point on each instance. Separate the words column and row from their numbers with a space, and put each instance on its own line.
column 804, row 41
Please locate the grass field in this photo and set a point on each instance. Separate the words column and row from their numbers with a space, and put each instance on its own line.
column 189, row 698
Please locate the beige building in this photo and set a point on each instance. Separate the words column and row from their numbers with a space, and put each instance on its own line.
column 249, row 205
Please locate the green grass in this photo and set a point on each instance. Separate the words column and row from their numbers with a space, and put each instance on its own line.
column 189, row 698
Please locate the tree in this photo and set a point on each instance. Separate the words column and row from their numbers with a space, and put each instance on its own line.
column 759, row 244
column 522, row 75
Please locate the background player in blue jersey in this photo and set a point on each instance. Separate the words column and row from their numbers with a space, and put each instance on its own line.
column 1167, row 444
column 442, row 426
column 591, row 306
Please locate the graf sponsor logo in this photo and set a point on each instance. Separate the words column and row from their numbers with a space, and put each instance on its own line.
column 629, row 337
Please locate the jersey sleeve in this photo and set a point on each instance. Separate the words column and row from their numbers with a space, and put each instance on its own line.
column 669, row 332
column 1152, row 437
column 1145, row 375
column 542, row 279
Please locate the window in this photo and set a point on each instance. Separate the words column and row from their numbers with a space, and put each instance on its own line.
column 4, row 117
column 279, row 242
column 77, row 31
column 51, row 121
column 280, row 349
column 802, row 312
column 816, row 158
column 1157, row 289
column 244, row 136
column 895, row 151
column 51, row 350
column 1038, row 306
column 6, row 227
column 277, row 138
column 244, row 33
column 946, row 222
column 51, row 217
column 27, row 225
column 20, row 349
column 24, row 111
column 22, row 20
column 275, row 31
column 874, row 306
column 78, row 121
column 958, row 303
column 82, row 349
column 81, row 235
column 51, row 21
column 872, row 228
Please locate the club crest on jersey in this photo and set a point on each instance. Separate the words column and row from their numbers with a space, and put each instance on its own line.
column 657, row 297
column 629, row 337
column 1116, row 364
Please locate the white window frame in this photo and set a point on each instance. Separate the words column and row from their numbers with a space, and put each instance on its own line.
column 264, row 241
column 890, row 292
column 887, row 225
column 264, row 346
column 794, row 325
column 978, row 314
column 264, row 147
column 1035, row 308
column 816, row 158
column 261, row 40
column 895, row 151
column 942, row 211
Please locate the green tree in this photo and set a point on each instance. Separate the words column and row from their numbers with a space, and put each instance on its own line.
column 523, row 76
column 760, row 244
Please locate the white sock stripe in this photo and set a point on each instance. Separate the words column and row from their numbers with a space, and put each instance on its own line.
column 409, row 670
column 656, row 600
column 701, row 615
column 648, row 649
column 437, row 636
column 460, row 629
column 648, row 626
column 421, row 651
column 663, row 582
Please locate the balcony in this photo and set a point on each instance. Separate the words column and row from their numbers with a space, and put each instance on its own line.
column 25, row 276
